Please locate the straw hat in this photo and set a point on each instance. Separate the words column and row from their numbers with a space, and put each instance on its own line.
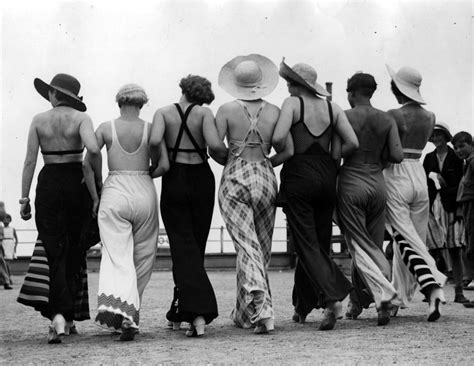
column 443, row 127
column 408, row 81
column 67, row 85
column 249, row 77
column 304, row 75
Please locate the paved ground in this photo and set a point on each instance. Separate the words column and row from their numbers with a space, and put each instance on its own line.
column 408, row 339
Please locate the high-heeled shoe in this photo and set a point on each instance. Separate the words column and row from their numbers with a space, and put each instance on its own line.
column 57, row 329
column 299, row 318
column 353, row 310
column 128, row 331
column 197, row 327
column 70, row 328
column 265, row 326
column 383, row 313
column 332, row 312
column 436, row 298
column 174, row 325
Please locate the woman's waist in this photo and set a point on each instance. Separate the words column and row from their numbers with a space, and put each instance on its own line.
column 129, row 172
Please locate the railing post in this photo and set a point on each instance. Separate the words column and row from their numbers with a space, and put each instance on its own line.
column 222, row 239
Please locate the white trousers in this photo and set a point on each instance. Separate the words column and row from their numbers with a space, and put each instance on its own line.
column 407, row 214
column 128, row 223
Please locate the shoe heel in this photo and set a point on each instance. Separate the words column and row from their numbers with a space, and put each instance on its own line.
column 199, row 326
column 176, row 325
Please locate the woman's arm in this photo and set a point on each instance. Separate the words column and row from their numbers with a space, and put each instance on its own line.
column 89, row 176
column 345, row 131
column 282, row 129
column 157, row 129
column 395, row 151
column 86, row 131
column 221, row 125
column 163, row 161
column 217, row 148
column 285, row 154
column 29, row 169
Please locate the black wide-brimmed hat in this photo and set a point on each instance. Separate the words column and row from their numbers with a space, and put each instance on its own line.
column 65, row 84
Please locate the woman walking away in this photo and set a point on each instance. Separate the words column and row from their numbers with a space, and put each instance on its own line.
column 56, row 282
column 9, row 244
column 187, row 199
column 308, row 189
column 248, row 186
column 128, row 215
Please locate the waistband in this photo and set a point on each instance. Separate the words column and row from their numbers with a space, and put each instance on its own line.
column 129, row 172
column 59, row 165
column 412, row 151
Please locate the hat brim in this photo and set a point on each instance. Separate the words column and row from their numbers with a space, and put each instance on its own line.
column 405, row 89
column 443, row 129
column 288, row 74
column 266, row 86
column 44, row 88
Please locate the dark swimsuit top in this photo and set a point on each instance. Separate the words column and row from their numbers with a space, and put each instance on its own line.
column 62, row 152
column 202, row 151
column 304, row 140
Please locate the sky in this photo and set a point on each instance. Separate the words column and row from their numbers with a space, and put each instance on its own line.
column 107, row 44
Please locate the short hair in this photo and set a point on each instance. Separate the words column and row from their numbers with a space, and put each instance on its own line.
column 8, row 216
column 131, row 94
column 363, row 83
column 462, row 136
column 197, row 89
column 397, row 91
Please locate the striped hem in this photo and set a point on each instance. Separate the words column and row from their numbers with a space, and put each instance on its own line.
column 113, row 310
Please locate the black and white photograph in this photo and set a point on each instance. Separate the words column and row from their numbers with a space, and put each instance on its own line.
column 268, row 182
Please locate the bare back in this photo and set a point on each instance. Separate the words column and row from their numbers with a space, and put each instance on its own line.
column 58, row 130
column 415, row 125
column 173, row 121
column 238, row 124
column 372, row 127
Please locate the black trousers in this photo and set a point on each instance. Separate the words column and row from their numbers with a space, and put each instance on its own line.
column 309, row 188
column 59, row 220
column 187, row 203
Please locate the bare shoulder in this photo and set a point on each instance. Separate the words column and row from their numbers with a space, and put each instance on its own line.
column 272, row 108
column 336, row 108
column 205, row 111
column 397, row 114
column 228, row 107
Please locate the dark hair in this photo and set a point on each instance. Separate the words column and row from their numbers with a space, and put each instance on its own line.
column 197, row 89
column 397, row 91
column 363, row 83
column 462, row 136
column 8, row 216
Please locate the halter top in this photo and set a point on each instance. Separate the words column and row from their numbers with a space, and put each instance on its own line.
column 202, row 151
column 238, row 146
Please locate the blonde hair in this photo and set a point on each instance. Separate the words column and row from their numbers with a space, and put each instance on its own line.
column 131, row 94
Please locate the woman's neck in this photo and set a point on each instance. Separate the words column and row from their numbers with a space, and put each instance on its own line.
column 442, row 149
column 128, row 112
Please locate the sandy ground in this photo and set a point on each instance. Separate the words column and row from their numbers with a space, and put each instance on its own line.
column 408, row 339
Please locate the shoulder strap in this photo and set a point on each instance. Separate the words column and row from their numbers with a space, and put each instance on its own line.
column 184, row 128
column 114, row 131
column 331, row 117
column 301, row 109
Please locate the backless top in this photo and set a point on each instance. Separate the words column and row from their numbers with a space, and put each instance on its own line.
column 238, row 146
column 119, row 159
column 304, row 140
column 202, row 151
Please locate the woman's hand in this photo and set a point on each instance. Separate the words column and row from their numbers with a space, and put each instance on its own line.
column 95, row 207
column 25, row 211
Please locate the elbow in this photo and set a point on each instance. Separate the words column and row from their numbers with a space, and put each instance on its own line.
column 94, row 151
column 396, row 158
column 154, row 142
column 278, row 144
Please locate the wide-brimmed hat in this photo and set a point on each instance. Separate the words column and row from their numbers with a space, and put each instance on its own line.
column 443, row 127
column 249, row 77
column 65, row 84
column 304, row 75
column 408, row 81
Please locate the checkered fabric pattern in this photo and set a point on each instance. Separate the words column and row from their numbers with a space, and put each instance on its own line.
column 247, row 201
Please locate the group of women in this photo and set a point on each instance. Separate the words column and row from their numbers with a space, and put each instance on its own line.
column 309, row 135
